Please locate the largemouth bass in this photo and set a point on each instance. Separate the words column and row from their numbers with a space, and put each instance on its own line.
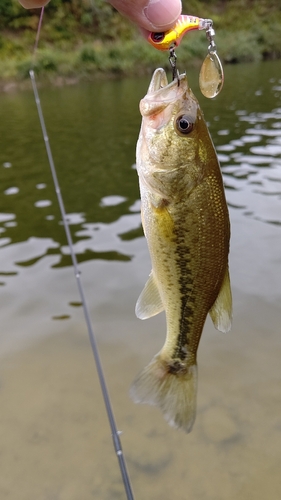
column 186, row 224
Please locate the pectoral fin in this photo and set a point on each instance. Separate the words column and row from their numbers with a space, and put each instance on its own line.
column 221, row 312
column 149, row 302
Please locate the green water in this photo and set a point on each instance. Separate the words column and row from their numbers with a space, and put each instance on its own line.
column 55, row 441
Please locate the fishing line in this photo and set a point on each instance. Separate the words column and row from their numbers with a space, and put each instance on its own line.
column 77, row 272
column 37, row 35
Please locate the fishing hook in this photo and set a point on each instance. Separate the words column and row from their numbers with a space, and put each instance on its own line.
column 173, row 63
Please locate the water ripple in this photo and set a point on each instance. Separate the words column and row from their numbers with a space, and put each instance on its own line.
column 252, row 173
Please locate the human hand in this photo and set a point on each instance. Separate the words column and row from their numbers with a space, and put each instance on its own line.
column 33, row 4
column 151, row 15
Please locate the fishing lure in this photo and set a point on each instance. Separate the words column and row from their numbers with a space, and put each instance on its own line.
column 173, row 37
column 211, row 76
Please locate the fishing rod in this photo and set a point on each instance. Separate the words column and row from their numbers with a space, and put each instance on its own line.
column 114, row 431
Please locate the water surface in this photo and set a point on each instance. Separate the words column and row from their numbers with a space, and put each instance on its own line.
column 55, row 441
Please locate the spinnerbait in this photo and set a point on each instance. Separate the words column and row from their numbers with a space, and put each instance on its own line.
column 211, row 74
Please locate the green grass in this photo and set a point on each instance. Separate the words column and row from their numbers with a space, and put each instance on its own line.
column 83, row 41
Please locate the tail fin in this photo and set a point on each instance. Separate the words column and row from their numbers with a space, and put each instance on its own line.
column 173, row 393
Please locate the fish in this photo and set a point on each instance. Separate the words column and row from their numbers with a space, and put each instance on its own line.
column 186, row 224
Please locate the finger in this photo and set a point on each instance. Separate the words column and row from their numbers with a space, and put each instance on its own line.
column 32, row 4
column 152, row 15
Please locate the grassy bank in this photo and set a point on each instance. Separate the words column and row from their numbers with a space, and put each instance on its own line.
column 86, row 39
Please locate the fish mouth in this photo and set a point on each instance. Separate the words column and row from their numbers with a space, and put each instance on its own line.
column 159, row 81
column 161, row 93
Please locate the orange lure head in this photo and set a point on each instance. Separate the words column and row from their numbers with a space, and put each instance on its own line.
column 173, row 37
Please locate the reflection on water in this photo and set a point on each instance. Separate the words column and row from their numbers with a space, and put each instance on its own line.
column 255, row 168
column 52, row 417
column 93, row 137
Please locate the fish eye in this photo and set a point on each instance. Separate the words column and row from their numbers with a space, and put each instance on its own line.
column 157, row 37
column 184, row 124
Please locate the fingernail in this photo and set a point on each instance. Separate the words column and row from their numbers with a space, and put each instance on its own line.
column 163, row 12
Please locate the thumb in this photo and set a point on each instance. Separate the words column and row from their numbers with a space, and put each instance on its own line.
column 31, row 4
column 152, row 15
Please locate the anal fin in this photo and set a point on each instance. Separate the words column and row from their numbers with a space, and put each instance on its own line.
column 149, row 302
column 221, row 311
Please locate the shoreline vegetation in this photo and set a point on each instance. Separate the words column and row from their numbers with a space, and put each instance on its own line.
column 88, row 39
